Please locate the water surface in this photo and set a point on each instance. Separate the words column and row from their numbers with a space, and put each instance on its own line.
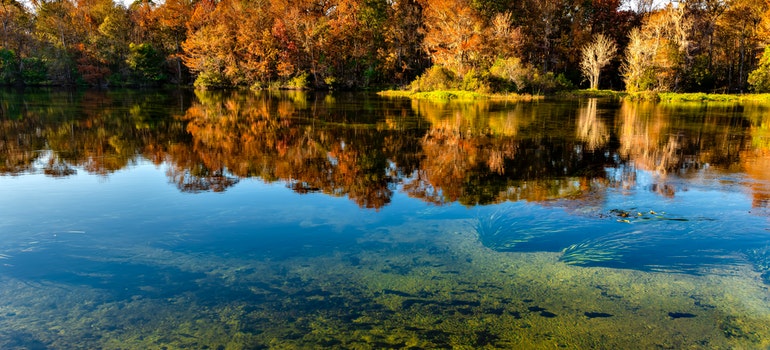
column 224, row 220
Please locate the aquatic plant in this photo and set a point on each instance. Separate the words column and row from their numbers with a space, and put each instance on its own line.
column 653, row 250
column 599, row 250
column 509, row 228
column 493, row 231
column 631, row 216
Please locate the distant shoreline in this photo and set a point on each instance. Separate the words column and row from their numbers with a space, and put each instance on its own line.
column 636, row 96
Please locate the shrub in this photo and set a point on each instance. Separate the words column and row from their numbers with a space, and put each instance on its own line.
column 512, row 75
column 550, row 82
column 34, row 71
column 759, row 79
column 299, row 82
column 208, row 79
column 331, row 82
column 146, row 63
column 7, row 66
column 476, row 81
column 435, row 78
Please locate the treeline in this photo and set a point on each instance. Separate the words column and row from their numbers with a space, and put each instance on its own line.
column 488, row 45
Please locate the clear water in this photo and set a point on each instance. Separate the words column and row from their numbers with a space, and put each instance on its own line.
column 223, row 220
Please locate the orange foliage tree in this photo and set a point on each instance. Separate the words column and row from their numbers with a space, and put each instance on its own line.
column 453, row 34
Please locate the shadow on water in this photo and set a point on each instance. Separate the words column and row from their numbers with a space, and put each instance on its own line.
column 760, row 257
column 122, row 280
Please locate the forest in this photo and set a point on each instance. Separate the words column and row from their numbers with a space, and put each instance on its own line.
column 529, row 46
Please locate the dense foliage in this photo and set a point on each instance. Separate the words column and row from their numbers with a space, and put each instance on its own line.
column 481, row 45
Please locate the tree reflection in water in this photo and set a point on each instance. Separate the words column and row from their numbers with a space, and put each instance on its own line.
column 567, row 155
column 365, row 147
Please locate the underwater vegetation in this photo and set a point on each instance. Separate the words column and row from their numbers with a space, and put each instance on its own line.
column 644, row 240
column 503, row 232
column 647, row 251
column 601, row 250
column 651, row 243
column 634, row 239
column 629, row 216
column 518, row 228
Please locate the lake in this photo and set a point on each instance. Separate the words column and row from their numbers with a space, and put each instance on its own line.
column 170, row 219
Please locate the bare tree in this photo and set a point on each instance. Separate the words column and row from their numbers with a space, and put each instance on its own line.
column 638, row 61
column 641, row 6
column 596, row 54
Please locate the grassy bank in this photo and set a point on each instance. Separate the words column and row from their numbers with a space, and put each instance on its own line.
column 592, row 94
column 697, row 97
column 669, row 96
column 459, row 95
column 637, row 96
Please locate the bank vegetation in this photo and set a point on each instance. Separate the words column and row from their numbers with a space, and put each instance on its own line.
column 529, row 47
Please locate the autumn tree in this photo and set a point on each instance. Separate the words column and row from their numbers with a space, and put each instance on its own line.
column 453, row 34
column 112, row 42
column 54, row 28
column 739, row 34
column 171, row 19
column 658, row 53
column 503, row 39
column 229, row 43
column 307, row 25
column 13, row 17
column 15, row 24
column 401, row 56
column 596, row 55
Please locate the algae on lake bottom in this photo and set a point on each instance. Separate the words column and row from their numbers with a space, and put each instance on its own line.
column 410, row 287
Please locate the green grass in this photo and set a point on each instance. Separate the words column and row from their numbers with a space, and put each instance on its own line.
column 697, row 97
column 437, row 95
column 459, row 95
column 592, row 93
column 756, row 98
